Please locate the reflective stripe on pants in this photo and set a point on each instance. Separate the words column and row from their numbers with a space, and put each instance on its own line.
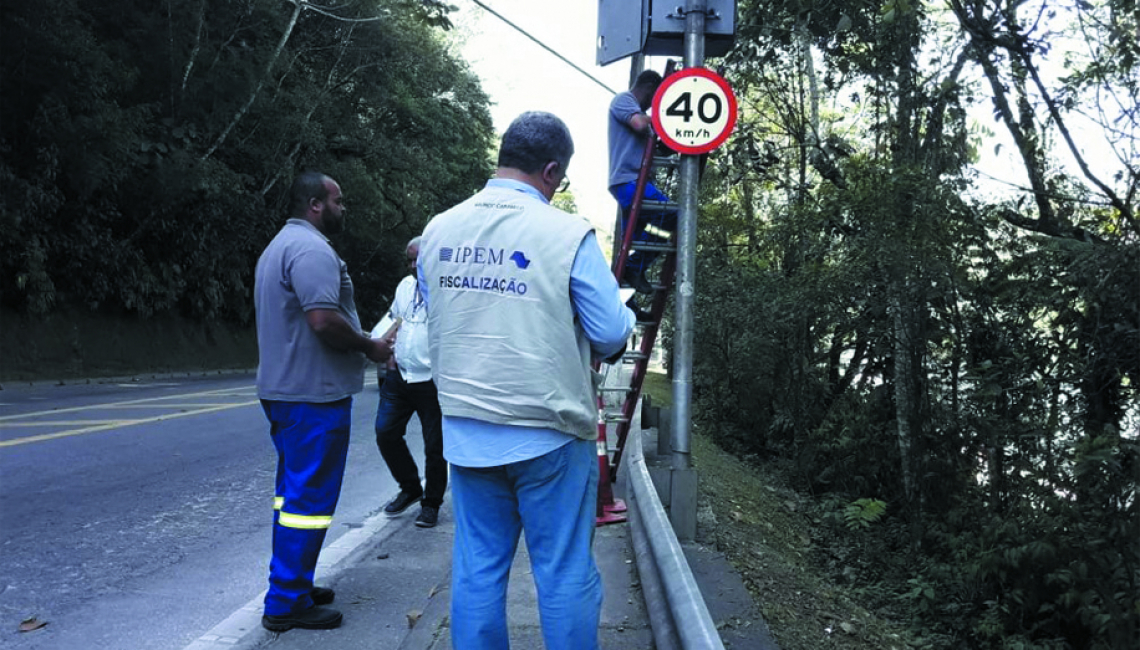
column 312, row 446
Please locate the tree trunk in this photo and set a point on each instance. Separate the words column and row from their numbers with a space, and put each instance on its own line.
column 297, row 8
column 905, row 271
column 904, row 370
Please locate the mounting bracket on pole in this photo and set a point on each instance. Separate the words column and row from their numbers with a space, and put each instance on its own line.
column 680, row 12
column 657, row 28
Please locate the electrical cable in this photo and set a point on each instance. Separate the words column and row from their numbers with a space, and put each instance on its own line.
column 545, row 46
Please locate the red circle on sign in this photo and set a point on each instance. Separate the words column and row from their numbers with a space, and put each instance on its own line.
column 676, row 91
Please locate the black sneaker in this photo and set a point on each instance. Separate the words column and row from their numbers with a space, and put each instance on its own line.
column 428, row 517
column 314, row 618
column 322, row 595
column 402, row 502
column 636, row 279
column 639, row 313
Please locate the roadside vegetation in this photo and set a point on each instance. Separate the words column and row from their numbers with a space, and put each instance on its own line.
column 928, row 382
column 146, row 148
column 943, row 371
column 784, row 545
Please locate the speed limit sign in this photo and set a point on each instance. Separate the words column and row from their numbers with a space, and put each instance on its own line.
column 694, row 111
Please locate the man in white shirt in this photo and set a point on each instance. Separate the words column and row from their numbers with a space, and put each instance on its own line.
column 408, row 388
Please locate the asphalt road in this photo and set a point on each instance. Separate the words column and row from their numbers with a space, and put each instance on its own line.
column 138, row 515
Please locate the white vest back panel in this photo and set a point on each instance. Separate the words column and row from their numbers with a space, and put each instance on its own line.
column 506, row 346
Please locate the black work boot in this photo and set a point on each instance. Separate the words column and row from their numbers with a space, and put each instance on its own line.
column 314, row 618
column 636, row 279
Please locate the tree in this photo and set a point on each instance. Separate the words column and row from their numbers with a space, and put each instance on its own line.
column 148, row 147
column 866, row 315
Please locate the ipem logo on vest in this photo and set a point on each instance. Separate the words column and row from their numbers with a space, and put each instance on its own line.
column 482, row 256
column 471, row 255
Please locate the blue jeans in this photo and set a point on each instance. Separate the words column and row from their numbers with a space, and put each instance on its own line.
column 640, row 260
column 312, row 447
column 398, row 400
column 551, row 498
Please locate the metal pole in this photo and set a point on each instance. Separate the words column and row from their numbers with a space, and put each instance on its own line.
column 687, row 261
column 636, row 66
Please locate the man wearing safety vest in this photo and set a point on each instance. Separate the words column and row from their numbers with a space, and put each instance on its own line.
column 520, row 298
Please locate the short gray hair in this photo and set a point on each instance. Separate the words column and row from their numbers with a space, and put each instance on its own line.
column 415, row 241
column 534, row 139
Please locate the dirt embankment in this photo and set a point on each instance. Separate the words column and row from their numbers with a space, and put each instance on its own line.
column 774, row 537
column 78, row 344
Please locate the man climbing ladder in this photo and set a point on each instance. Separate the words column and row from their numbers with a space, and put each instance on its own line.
column 629, row 129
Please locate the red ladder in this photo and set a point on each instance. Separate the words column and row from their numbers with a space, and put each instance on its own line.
column 609, row 509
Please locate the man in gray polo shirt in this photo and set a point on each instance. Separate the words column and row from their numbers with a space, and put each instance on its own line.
column 628, row 129
column 311, row 362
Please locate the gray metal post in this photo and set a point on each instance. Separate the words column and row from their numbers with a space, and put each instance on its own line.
column 636, row 66
column 687, row 261
column 683, row 478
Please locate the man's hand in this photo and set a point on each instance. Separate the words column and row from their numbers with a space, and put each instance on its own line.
column 379, row 350
column 641, row 123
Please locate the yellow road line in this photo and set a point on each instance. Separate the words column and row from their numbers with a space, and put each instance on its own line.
column 114, row 425
column 74, row 409
column 158, row 406
column 56, row 423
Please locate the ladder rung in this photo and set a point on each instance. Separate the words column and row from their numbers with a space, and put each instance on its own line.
column 614, row 416
column 659, row 206
column 634, row 356
column 608, row 389
column 666, row 161
column 652, row 285
column 665, row 247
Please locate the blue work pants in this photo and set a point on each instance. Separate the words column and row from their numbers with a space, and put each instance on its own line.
column 398, row 401
column 551, row 498
column 640, row 260
column 312, row 447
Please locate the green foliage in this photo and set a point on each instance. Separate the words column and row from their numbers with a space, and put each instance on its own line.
column 565, row 201
column 922, row 595
column 974, row 363
column 861, row 513
column 145, row 149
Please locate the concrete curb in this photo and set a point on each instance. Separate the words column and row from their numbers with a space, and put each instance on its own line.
column 436, row 614
column 243, row 629
column 121, row 379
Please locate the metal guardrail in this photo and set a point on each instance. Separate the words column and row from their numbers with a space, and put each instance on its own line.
column 684, row 622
